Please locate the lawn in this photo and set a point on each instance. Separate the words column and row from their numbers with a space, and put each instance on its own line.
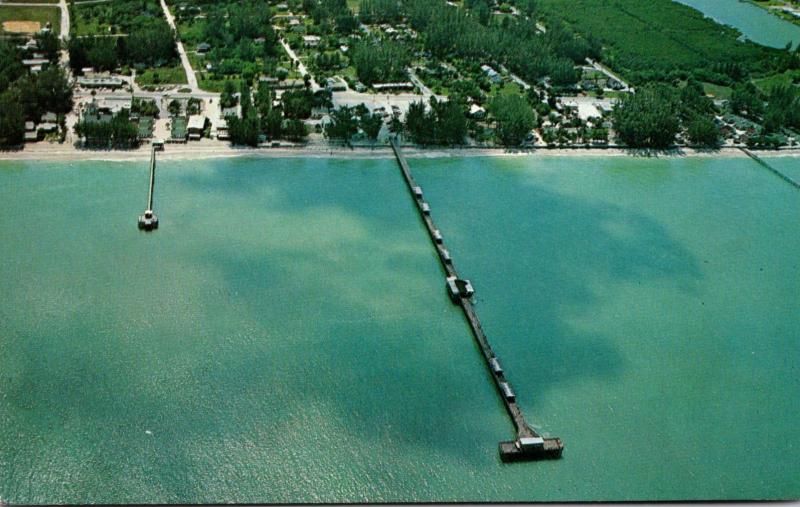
column 42, row 15
column 161, row 75
column 717, row 91
column 765, row 84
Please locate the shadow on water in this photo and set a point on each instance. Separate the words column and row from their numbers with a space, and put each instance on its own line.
column 537, row 259
column 535, row 262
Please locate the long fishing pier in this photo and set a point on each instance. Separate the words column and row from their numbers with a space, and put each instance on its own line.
column 149, row 221
column 771, row 169
column 528, row 444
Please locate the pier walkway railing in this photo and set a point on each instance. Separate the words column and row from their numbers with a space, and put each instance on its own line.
column 528, row 444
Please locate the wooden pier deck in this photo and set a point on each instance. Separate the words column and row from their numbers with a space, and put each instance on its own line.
column 528, row 444
column 149, row 221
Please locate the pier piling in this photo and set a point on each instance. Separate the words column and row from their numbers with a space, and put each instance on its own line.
column 774, row 171
column 528, row 444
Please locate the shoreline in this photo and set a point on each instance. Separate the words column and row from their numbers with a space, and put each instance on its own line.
column 53, row 152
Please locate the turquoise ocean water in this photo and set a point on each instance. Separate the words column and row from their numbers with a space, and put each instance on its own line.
column 754, row 22
column 285, row 336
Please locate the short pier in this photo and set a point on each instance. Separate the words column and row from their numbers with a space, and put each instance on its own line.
column 149, row 221
column 771, row 169
column 528, row 444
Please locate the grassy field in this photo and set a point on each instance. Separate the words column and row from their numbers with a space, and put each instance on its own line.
column 657, row 34
column 162, row 75
column 717, row 91
column 41, row 14
column 788, row 77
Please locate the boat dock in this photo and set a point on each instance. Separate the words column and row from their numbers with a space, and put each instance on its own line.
column 149, row 221
column 528, row 444
column 774, row 171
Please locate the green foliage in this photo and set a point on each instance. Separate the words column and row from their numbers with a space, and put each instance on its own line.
column 49, row 44
column 227, row 97
column 649, row 118
column 12, row 119
column 379, row 11
column 703, row 131
column 514, row 116
column 244, row 131
column 450, row 32
column 144, row 107
column 174, row 107
column 120, row 132
column 783, row 109
column 746, row 100
column 659, row 40
column 380, row 62
column 272, row 124
column 26, row 96
column 443, row 124
column 294, row 130
column 371, row 125
column 343, row 125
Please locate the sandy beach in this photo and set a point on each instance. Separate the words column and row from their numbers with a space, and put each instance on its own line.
column 214, row 149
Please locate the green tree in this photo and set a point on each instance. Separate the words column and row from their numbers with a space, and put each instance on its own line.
column 12, row 119
column 244, row 131
column 648, row 118
column 514, row 116
column 273, row 124
column 227, row 97
column 703, row 131
column 371, row 125
column 295, row 130
column 174, row 107
column 343, row 125
column 746, row 99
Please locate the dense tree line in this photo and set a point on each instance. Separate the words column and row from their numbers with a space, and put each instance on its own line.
column 119, row 133
column 25, row 96
column 346, row 122
column 231, row 29
column 331, row 15
column 514, row 117
column 380, row 62
column 379, row 11
column 443, row 123
column 653, row 116
column 260, row 119
column 663, row 41
column 649, row 118
column 453, row 32
column 783, row 109
column 151, row 45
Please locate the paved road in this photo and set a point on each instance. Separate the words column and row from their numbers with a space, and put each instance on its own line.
column 605, row 70
column 191, row 78
column 516, row 78
column 64, row 20
column 302, row 68
column 418, row 83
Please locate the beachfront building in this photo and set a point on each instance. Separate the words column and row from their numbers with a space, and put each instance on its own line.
column 196, row 127
column 100, row 82
column 385, row 87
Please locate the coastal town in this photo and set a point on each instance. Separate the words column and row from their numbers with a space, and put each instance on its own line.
column 329, row 252
column 124, row 74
